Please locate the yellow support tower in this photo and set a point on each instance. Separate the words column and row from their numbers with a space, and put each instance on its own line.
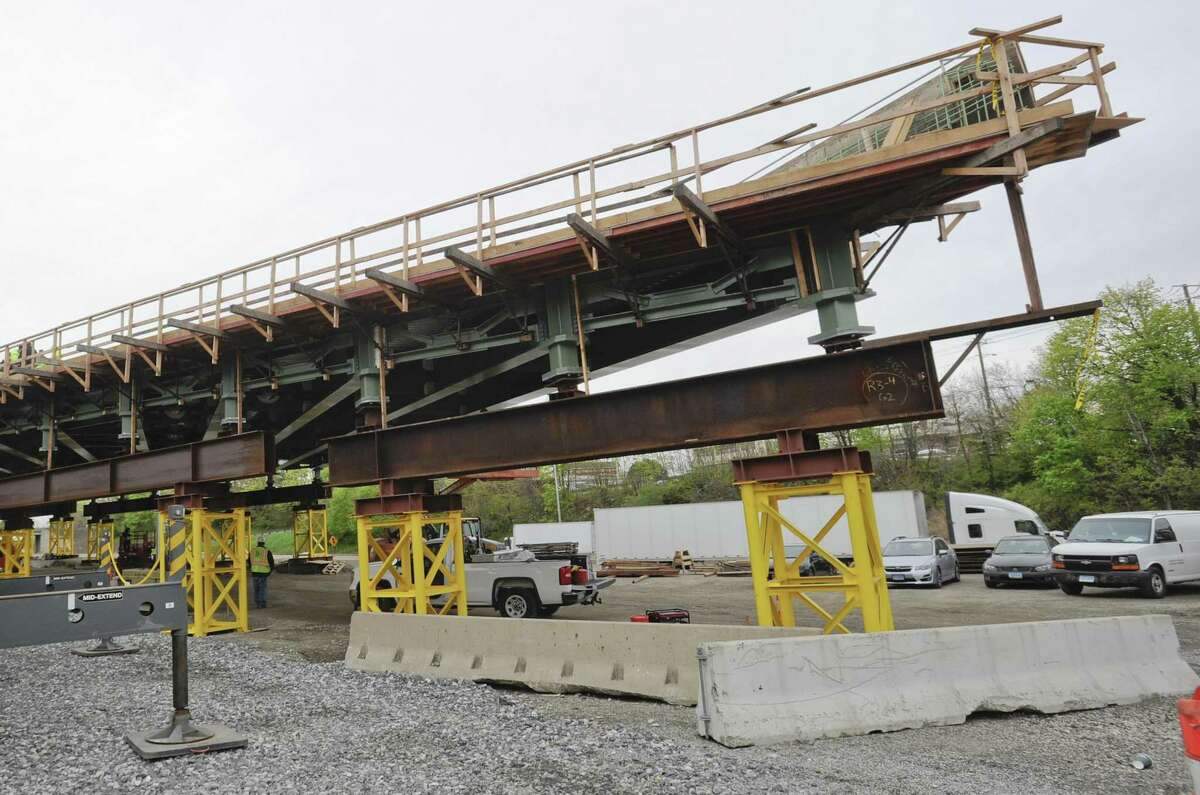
column 96, row 533
column 16, row 552
column 216, row 549
column 778, row 583
column 411, row 575
column 61, row 538
column 310, row 534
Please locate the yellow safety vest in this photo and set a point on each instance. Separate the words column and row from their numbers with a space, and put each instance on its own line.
column 258, row 561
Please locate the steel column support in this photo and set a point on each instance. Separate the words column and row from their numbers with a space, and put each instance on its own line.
column 367, row 405
column 125, row 412
column 559, row 330
column 46, row 426
column 834, row 265
column 230, row 400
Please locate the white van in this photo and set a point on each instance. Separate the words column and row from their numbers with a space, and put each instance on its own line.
column 1148, row 550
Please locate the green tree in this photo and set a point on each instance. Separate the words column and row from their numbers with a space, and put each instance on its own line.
column 1135, row 441
column 500, row 504
column 643, row 472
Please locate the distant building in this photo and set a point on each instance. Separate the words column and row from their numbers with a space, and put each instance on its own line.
column 586, row 474
column 724, row 453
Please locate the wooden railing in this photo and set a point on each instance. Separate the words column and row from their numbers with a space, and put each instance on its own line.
column 407, row 243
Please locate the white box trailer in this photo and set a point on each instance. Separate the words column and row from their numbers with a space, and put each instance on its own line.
column 897, row 514
column 654, row 532
column 718, row 529
column 554, row 533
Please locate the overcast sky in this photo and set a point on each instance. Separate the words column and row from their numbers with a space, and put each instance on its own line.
column 146, row 144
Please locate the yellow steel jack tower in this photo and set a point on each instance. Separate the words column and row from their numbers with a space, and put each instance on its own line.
column 61, row 538
column 97, row 531
column 310, row 533
column 216, row 547
column 399, row 569
column 778, row 582
column 16, row 552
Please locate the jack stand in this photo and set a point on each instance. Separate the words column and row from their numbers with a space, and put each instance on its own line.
column 104, row 648
column 181, row 737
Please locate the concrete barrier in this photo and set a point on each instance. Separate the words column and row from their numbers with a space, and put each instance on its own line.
column 551, row 656
column 766, row 691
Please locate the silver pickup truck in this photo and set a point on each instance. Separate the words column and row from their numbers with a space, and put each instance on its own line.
column 513, row 582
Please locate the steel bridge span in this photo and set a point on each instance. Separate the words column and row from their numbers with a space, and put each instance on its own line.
column 541, row 284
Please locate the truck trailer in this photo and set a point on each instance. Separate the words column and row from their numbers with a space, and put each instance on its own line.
column 710, row 530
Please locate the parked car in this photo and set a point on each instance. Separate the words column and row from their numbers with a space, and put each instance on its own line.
column 1147, row 550
column 923, row 561
column 1020, row 559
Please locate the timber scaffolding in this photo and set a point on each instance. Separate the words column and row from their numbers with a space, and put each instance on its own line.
column 543, row 282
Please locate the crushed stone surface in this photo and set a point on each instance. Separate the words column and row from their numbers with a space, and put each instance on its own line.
column 319, row 727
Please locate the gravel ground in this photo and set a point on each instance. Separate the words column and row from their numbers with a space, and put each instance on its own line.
column 315, row 726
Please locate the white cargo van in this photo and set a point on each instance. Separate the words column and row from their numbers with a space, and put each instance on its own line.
column 1148, row 550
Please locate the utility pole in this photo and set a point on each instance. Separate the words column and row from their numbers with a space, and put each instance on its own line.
column 991, row 435
column 987, row 392
column 557, row 499
column 958, row 425
column 1187, row 295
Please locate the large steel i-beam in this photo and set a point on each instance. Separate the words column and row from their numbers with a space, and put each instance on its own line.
column 866, row 387
column 245, row 455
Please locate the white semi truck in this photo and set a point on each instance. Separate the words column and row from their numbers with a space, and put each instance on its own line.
column 977, row 521
column 511, row 581
column 982, row 520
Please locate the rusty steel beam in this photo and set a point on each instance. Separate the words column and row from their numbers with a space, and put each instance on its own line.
column 275, row 495
column 801, row 465
column 845, row 390
column 246, row 455
column 407, row 503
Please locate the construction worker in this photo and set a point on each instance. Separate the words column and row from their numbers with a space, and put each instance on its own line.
column 262, row 563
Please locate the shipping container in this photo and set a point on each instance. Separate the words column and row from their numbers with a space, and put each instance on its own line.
column 718, row 529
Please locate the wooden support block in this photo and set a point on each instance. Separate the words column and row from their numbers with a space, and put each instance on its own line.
column 199, row 329
column 983, row 171
column 322, row 297
column 133, row 342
